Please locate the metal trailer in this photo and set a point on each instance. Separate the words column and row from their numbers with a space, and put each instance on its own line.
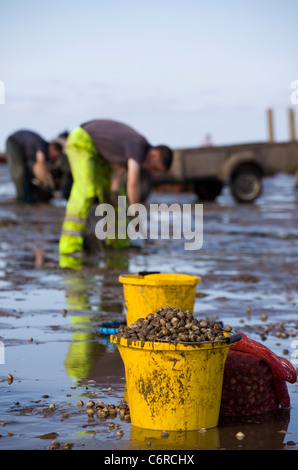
column 208, row 169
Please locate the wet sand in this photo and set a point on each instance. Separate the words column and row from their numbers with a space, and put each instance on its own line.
column 49, row 319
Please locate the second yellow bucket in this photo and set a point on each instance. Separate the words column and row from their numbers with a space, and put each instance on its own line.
column 143, row 294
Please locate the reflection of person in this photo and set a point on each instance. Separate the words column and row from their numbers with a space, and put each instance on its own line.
column 101, row 153
column 83, row 349
column 30, row 159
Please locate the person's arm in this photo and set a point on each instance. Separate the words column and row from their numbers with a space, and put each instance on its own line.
column 118, row 177
column 133, row 185
column 40, row 170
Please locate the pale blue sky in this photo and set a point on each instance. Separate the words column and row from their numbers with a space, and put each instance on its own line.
column 174, row 70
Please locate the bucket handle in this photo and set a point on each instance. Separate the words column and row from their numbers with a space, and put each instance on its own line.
column 233, row 338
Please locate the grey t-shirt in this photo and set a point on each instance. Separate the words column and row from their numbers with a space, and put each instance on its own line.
column 29, row 143
column 116, row 142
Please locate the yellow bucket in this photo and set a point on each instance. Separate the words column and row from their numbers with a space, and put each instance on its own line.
column 144, row 294
column 173, row 387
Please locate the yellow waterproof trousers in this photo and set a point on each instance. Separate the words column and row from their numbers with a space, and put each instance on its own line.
column 91, row 179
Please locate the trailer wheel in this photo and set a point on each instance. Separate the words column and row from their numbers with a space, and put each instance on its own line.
column 208, row 190
column 246, row 185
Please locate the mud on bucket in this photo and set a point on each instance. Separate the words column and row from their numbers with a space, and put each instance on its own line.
column 173, row 386
column 143, row 294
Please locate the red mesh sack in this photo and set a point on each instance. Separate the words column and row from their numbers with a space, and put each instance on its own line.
column 254, row 380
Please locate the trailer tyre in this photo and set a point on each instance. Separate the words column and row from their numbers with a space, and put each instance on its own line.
column 208, row 190
column 246, row 185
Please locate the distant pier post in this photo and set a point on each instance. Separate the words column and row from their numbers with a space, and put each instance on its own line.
column 292, row 125
column 270, row 125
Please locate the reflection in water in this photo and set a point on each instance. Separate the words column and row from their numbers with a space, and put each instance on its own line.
column 85, row 350
column 141, row 439
column 39, row 257
column 263, row 432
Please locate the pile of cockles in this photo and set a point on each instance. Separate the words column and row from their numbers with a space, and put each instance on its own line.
column 171, row 324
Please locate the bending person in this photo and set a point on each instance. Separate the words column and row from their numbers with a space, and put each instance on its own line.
column 30, row 159
column 101, row 153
